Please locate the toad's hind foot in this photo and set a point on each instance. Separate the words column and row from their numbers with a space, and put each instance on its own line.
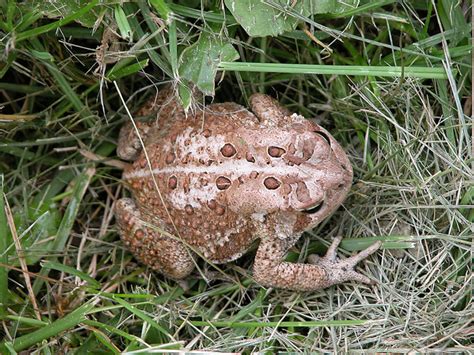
column 270, row 270
column 343, row 270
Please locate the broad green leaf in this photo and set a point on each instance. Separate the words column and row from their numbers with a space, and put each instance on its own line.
column 271, row 18
column 199, row 62
column 259, row 19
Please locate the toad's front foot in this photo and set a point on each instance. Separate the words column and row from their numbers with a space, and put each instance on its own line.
column 343, row 270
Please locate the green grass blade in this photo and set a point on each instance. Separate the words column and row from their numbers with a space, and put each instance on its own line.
column 54, row 329
column 308, row 324
column 5, row 65
column 208, row 16
column 173, row 44
column 64, row 230
column 355, row 70
column 31, row 322
column 162, row 8
column 140, row 314
column 122, row 23
column 27, row 20
column 54, row 25
column 114, row 330
column 3, row 252
column 52, row 265
column 388, row 242
column 80, row 185
column 48, row 60
column 124, row 71
column 362, row 9
column 162, row 61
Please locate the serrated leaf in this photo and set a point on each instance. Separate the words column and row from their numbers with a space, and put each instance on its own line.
column 259, row 19
column 199, row 62
column 262, row 18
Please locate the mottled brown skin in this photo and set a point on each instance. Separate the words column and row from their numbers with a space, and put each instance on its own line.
column 215, row 181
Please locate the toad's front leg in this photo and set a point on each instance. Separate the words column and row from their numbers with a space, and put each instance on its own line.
column 271, row 271
column 133, row 134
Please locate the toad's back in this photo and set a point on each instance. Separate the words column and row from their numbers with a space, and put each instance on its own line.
column 217, row 180
column 219, row 175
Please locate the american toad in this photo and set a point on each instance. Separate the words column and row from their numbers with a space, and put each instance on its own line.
column 215, row 181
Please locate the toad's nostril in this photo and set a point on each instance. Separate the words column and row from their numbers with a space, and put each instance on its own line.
column 308, row 148
column 302, row 192
column 308, row 204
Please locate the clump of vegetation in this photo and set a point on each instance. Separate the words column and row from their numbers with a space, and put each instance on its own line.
column 390, row 79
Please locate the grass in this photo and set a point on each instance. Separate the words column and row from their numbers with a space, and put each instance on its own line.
column 392, row 82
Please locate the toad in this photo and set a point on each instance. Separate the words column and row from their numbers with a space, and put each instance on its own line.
column 212, row 182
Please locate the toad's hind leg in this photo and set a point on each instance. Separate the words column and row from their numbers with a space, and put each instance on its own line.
column 163, row 253
column 270, row 271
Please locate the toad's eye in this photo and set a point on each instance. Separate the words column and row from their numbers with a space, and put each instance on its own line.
column 324, row 136
column 314, row 209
